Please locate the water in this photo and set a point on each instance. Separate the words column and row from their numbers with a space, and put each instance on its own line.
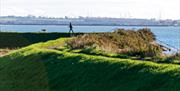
column 168, row 35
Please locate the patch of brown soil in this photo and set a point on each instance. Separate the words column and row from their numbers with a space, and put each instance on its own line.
column 4, row 52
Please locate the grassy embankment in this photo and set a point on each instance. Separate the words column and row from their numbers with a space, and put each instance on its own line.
column 50, row 67
column 10, row 41
column 13, row 40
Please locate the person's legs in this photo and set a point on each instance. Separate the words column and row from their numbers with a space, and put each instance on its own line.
column 71, row 31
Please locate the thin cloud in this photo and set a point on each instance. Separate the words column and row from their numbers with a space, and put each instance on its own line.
column 105, row 8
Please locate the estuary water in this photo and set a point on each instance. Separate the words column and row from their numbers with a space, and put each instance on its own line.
column 168, row 35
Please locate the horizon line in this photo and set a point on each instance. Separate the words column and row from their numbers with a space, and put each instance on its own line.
column 83, row 17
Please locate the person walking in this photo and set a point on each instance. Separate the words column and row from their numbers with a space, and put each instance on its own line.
column 71, row 28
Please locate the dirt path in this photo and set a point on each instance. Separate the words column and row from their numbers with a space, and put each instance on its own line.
column 4, row 52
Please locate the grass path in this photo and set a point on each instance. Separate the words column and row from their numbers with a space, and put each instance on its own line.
column 4, row 52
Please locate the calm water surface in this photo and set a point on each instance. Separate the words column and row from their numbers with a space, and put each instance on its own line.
column 168, row 35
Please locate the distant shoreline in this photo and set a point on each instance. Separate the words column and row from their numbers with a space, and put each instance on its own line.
column 91, row 25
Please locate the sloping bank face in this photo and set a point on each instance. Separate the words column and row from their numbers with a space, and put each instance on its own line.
column 37, row 69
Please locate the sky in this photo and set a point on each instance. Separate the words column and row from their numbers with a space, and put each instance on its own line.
column 159, row 9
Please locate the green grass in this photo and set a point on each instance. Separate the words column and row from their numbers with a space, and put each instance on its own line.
column 40, row 68
column 16, row 40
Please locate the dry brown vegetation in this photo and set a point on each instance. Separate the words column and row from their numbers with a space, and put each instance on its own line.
column 141, row 42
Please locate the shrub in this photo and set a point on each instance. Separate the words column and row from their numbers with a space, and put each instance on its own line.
column 136, row 43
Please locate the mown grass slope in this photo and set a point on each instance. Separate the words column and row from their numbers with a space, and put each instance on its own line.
column 41, row 68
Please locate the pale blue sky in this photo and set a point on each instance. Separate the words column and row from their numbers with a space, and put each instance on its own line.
column 164, row 9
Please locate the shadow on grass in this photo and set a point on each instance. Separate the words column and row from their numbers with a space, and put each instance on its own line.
column 76, row 72
column 68, row 72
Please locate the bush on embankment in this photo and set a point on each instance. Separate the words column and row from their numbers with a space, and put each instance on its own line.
column 141, row 43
